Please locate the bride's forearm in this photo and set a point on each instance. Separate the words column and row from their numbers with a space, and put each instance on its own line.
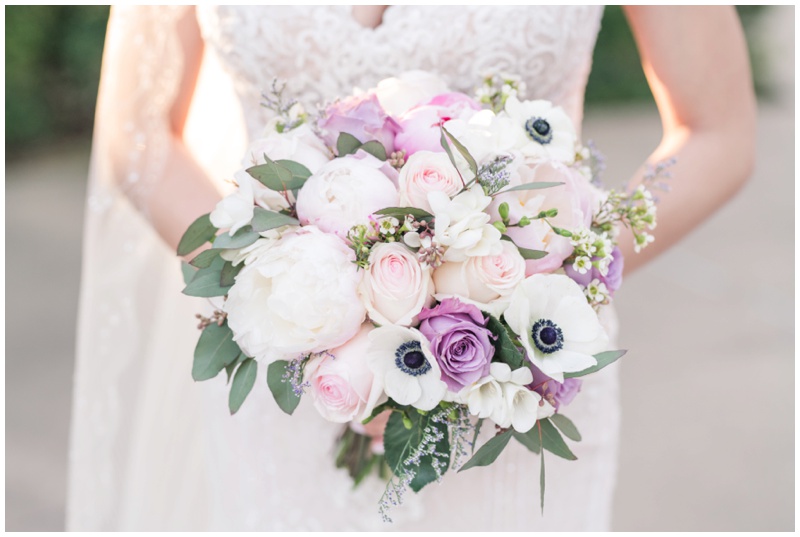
column 183, row 193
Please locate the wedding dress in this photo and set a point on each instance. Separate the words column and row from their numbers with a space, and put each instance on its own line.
column 150, row 449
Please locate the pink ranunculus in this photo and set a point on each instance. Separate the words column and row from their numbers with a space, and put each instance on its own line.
column 420, row 125
column 567, row 198
column 482, row 279
column 426, row 172
column 361, row 116
column 344, row 193
column 395, row 287
column 460, row 342
column 343, row 387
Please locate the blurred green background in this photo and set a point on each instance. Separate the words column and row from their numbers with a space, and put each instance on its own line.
column 53, row 56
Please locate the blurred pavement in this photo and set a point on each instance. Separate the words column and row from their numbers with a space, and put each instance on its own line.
column 707, row 387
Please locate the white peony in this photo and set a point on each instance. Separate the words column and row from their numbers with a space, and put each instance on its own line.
column 543, row 131
column 344, row 193
column 402, row 361
column 425, row 172
column 463, row 226
column 395, row 287
column 557, row 327
column 398, row 94
column 299, row 144
column 297, row 297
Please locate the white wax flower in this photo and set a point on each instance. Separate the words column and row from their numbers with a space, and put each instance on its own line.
column 557, row 327
column 462, row 225
column 401, row 359
column 544, row 131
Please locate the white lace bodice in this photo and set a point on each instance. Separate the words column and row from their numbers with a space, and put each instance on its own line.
column 322, row 52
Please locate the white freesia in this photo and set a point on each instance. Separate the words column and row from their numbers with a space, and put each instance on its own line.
column 297, row 297
column 462, row 225
column 425, row 172
column 484, row 281
column 344, row 193
column 503, row 397
column 235, row 210
column 557, row 327
column 402, row 361
column 398, row 94
column 543, row 131
column 395, row 287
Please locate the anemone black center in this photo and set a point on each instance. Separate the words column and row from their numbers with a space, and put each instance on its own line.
column 414, row 360
column 539, row 130
column 410, row 359
column 547, row 336
column 542, row 127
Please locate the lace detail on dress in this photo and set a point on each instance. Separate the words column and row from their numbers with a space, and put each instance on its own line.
column 323, row 52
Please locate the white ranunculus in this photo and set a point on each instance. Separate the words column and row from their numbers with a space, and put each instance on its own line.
column 483, row 280
column 398, row 94
column 557, row 327
column 341, row 384
column 299, row 144
column 297, row 297
column 395, row 287
column 344, row 193
column 402, row 361
column 543, row 131
column 425, row 172
column 462, row 225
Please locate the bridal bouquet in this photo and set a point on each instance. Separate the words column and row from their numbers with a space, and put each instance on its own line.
column 421, row 258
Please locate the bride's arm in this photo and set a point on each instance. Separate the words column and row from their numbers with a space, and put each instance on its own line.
column 695, row 60
column 150, row 70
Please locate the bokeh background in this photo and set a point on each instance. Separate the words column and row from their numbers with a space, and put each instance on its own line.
column 708, row 387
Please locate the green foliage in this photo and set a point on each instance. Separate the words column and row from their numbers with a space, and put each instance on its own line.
column 215, row 349
column 504, row 348
column 281, row 389
column 488, row 452
column 243, row 382
column 199, row 232
column 208, row 282
column 401, row 441
column 603, row 359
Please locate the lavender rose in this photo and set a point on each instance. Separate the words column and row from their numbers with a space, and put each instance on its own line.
column 612, row 280
column 459, row 340
column 363, row 117
column 552, row 391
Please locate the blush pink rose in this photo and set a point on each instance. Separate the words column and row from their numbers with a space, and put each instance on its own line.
column 341, row 383
column 426, row 172
column 420, row 125
column 395, row 287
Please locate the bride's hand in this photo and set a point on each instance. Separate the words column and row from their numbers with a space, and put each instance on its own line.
column 696, row 62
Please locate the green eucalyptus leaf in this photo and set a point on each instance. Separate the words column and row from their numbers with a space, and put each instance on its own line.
column 401, row 212
column 603, row 359
column 281, row 390
column 488, row 452
column 504, row 348
column 299, row 172
column 446, row 146
column 478, row 426
column 199, row 232
column 530, row 439
column 531, row 186
column 526, row 253
column 243, row 382
column 275, row 177
column 347, row 144
column 206, row 281
column 473, row 166
column 204, row 258
column 565, row 425
column 243, row 237
column 400, row 442
column 264, row 220
column 374, row 148
column 552, row 441
column 215, row 349
column 227, row 276
column 231, row 367
column 188, row 272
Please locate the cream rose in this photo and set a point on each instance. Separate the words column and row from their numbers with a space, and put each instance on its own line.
column 395, row 287
column 482, row 280
column 297, row 297
column 343, row 387
column 427, row 172
column 344, row 193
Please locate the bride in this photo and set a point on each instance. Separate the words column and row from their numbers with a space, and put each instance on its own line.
column 179, row 99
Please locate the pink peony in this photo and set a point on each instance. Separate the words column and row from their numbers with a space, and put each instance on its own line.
column 363, row 117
